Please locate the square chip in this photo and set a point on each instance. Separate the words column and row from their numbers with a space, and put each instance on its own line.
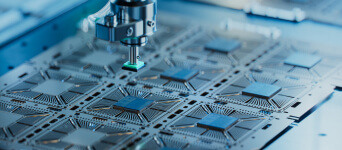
column 302, row 60
column 133, row 104
column 179, row 74
column 83, row 137
column 217, row 122
column 223, row 45
column 52, row 87
column 261, row 90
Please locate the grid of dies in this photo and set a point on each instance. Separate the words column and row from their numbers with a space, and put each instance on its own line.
column 187, row 70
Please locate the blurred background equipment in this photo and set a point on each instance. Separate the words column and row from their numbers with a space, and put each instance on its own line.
column 24, row 22
column 326, row 11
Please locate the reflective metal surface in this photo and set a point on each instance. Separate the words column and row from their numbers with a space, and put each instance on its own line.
column 319, row 131
column 200, row 66
column 129, row 22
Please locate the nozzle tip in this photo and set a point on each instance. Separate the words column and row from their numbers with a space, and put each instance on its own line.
column 128, row 66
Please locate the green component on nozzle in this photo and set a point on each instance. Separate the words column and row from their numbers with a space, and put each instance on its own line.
column 135, row 68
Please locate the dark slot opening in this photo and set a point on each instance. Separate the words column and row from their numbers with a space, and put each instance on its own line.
column 74, row 108
column 22, row 75
column 266, row 126
column 171, row 116
column 179, row 111
column 157, row 126
column 296, row 104
column 204, row 94
column 192, row 102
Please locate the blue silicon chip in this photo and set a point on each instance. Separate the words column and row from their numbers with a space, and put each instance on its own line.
column 223, row 45
column 131, row 103
column 217, row 122
column 179, row 74
column 261, row 90
column 302, row 60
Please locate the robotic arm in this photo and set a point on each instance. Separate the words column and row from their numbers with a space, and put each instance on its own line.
column 130, row 22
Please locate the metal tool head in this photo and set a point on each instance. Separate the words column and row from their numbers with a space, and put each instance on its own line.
column 130, row 22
